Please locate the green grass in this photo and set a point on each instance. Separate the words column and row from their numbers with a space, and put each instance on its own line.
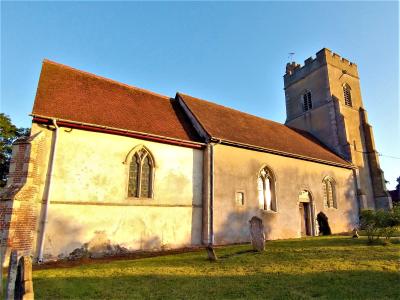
column 323, row 267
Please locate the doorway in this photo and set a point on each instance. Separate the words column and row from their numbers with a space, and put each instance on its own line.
column 305, row 214
column 305, row 219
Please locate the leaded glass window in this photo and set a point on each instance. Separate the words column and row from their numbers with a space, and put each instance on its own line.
column 266, row 190
column 141, row 171
column 134, row 170
column 329, row 192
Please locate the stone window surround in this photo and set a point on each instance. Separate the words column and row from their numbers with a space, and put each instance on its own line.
column 274, row 201
column 243, row 199
column 306, row 101
column 347, row 95
column 131, row 155
column 326, row 200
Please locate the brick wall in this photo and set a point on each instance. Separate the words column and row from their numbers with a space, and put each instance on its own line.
column 18, row 200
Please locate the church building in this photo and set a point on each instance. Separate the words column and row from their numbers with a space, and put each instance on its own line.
column 111, row 166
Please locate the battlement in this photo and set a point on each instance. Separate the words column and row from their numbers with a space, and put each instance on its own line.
column 295, row 71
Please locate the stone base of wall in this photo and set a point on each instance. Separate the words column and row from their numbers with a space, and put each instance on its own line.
column 103, row 230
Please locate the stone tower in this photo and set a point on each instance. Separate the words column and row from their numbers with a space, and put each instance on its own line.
column 323, row 97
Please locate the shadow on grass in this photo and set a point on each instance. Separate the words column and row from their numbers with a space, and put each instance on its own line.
column 245, row 251
column 321, row 241
column 332, row 285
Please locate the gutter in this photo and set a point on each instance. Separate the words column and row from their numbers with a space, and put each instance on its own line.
column 48, row 193
column 117, row 131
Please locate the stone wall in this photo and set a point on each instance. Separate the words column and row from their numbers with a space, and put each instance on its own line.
column 237, row 169
column 340, row 127
column 18, row 200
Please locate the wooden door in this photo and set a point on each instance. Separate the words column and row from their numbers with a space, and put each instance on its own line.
column 305, row 218
column 303, row 228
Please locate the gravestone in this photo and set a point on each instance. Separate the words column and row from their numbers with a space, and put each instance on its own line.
column 355, row 233
column 12, row 275
column 257, row 234
column 25, row 283
column 19, row 281
column 211, row 253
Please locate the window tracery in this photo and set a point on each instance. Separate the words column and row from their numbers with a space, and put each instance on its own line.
column 141, row 169
column 266, row 190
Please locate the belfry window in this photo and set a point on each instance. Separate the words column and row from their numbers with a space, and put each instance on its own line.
column 347, row 95
column 266, row 190
column 328, row 185
column 141, row 171
column 307, row 102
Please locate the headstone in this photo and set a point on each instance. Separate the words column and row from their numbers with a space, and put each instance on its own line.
column 211, row 253
column 12, row 275
column 355, row 233
column 19, row 281
column 25, row 285
column 257, row 234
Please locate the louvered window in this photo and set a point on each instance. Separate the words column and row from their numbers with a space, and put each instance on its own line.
column 347, row 95
column 307, row 102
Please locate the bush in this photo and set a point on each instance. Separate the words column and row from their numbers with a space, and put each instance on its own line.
column 380, row 223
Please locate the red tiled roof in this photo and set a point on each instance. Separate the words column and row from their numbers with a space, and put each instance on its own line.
column 227, row 124
column 66, row 93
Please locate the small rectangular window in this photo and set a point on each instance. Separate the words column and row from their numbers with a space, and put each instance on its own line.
column 239, row 198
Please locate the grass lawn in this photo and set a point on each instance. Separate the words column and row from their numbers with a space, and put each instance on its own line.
column 322, row 267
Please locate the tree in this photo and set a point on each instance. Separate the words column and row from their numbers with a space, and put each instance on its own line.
column 8, row 134
column 398, row 184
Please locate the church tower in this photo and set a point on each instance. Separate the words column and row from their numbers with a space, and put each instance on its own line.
column 323, row 97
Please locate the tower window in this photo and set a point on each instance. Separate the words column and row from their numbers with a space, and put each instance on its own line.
column 347, row 95
column 307, row 103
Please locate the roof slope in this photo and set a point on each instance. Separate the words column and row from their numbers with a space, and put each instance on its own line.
column 66, row 93
column 231, row 125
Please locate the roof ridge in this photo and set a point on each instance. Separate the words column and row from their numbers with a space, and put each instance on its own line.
column 233, row 109
column 104, row 78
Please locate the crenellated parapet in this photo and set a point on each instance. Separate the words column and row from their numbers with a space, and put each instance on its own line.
column 295, row 71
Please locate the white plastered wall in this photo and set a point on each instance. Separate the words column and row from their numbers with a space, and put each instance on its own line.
column 89, row 199
column 236, row 169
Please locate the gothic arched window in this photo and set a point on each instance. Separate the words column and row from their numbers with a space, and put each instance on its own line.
column 141, row 171
column 347, row 95
column 328, row 185
column 307, row 102
column 266, row 190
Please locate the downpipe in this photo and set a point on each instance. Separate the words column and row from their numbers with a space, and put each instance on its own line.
column 211, row 194
column 48, row 193
column 212, row 171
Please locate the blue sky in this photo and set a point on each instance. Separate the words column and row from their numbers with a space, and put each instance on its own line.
column 233, row 53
